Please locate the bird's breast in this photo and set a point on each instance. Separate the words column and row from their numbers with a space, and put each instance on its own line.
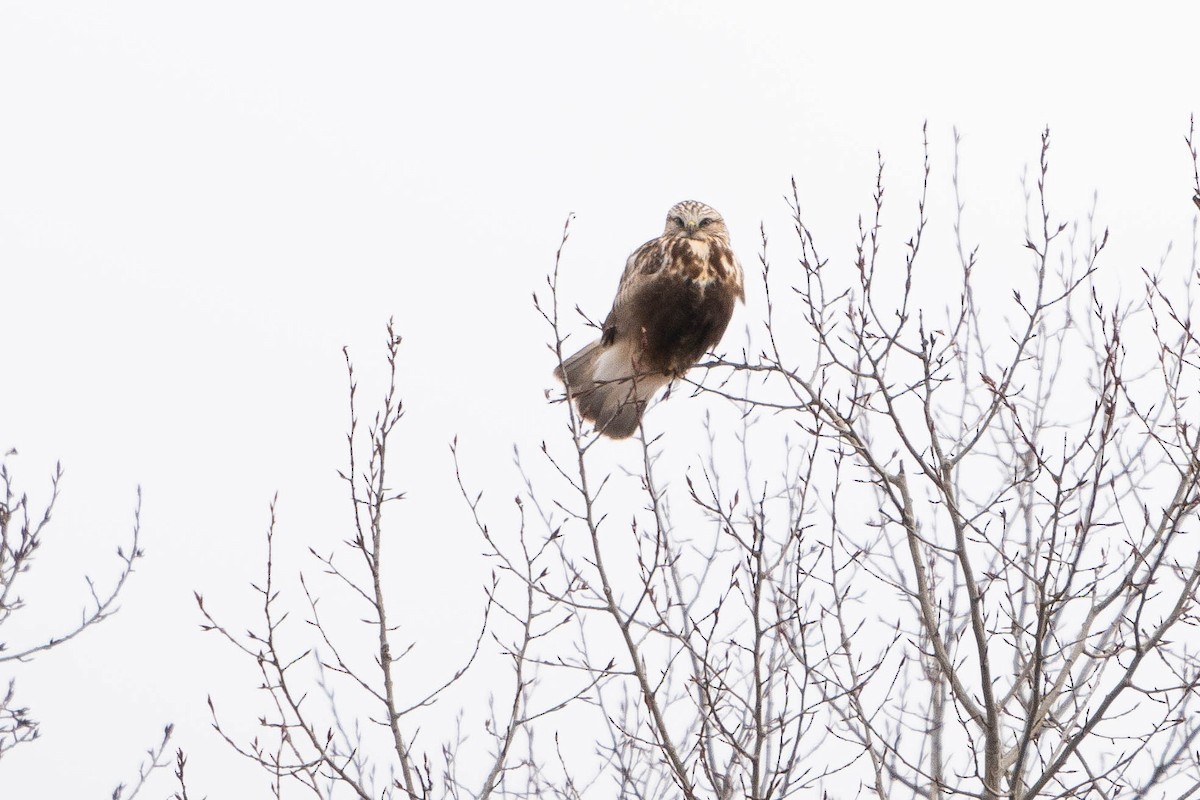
column 676, row 318
column 703, row 262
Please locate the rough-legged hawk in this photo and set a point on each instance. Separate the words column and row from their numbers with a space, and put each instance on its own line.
column 672, row 306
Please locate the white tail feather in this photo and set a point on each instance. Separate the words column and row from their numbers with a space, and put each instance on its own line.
column 603, row 383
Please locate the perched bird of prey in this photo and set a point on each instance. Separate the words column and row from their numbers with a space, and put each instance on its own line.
column 672, row 306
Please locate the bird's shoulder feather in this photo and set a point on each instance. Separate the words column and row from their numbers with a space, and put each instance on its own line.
column 645, row 262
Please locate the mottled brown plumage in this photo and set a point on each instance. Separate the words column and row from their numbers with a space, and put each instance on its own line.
column 672, row 306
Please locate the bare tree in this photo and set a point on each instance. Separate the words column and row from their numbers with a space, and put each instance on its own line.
column 22, row 531
column 1035, row 474
column 360, row 741
column 942, row 548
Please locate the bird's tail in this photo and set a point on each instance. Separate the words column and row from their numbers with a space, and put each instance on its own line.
column 607, row 389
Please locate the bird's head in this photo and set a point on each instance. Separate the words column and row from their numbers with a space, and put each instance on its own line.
column 696, row 221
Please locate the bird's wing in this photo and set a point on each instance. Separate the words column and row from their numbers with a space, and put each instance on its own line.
column 647, row 260
column 641, row 265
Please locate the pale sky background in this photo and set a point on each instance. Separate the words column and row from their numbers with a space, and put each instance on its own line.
column 201, row 203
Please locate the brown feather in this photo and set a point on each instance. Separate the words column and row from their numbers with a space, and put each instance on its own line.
column 673, row 304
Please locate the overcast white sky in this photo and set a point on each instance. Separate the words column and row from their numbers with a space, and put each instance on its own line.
column 201, row 203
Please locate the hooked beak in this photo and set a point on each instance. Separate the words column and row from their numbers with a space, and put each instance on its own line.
column 690, row 226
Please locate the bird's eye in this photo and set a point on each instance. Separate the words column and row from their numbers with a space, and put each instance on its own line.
column 704, row 222
column 678, row 221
